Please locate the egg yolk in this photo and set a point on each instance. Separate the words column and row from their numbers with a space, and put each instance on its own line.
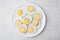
column 37, row 16
column 19, row 12
column 30, row 8
column 30, row 29
column 26, row 21
column 22, row 29
column 18, row 22
column 35, row 22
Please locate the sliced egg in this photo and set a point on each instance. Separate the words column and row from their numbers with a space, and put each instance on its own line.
column 39, row 25
column 35, row 22
column 37, row 16
column 30, row 8
column 27, row 19
column 31, row 29
column 18, row 21
column 22, row 28
column 21, row 12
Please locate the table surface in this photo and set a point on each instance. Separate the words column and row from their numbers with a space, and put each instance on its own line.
column 51, row 9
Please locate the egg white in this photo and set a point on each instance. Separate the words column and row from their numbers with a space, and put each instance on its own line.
column 39, row 25
column 39, row 14
column 29, row 13
column 16, row 20
column 34, row 30
column 29, row 17
column 23, row 9
column 24, row 31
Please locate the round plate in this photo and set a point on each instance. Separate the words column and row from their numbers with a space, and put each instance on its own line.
column 43, row 20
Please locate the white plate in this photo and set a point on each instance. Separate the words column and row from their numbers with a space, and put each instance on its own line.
column 43, row 20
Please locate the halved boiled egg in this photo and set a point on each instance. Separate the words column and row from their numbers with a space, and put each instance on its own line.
column 31, row 29
column 22, row 29
column 35, row 22
column 21, row 12
column 17, row 21
column 30, row 8
column 37, row 16
column 27, row 19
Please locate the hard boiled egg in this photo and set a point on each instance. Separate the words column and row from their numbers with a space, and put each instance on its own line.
column 17, row 21
column 37, row 16
column 22, row 28
column 20, row 12
column 30, row 8
column 35, row 22
column 27, row 19
column 31, row 29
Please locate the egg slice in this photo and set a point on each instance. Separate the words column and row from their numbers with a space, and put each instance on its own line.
column 21, row 12
column 31, row 29
column 27, row 19
column 35, row 22
column 17, row 21
column 38, row 26
column 30, row 8
column 37, row 16
column 22, row 29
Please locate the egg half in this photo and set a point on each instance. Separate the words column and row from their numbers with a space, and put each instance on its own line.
column 27, row 19
column 31, row 29
column 22, row 28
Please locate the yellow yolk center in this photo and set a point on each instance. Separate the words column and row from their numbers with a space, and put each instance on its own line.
column 35, row 22
column 30, row 8
column 37, row 16
column 30, row 29
column 22, row 29
column 19, row 12
column 18, row 22
column 26, row 21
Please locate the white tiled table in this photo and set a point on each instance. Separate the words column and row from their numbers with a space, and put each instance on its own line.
column 52, row 11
